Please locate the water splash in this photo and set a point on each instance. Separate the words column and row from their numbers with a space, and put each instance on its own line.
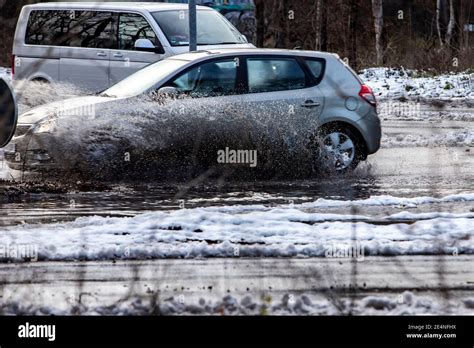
column 164, row 137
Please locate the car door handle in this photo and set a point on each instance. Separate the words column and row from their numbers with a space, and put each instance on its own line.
column 118, row 55
column 310, row 104
column 101, row 54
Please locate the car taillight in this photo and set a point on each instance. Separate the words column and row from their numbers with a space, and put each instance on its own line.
column 367, row 94
column 13, row 65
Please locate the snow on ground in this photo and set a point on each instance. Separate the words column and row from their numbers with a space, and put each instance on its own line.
column 405, row 304
column 391, row 201
column 462, row 138
column 251, row 231
column 397, row 83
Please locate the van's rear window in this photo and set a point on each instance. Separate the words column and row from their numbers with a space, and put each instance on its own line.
column 93, row 29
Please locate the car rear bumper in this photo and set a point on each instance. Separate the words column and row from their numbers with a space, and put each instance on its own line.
column 371, row 130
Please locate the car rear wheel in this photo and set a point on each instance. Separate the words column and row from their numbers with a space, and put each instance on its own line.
column 338, row 149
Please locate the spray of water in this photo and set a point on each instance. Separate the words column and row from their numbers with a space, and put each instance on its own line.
column 157, row 137
column 31, row 94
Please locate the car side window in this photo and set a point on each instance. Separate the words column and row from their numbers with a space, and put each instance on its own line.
column 274, row 74
column 91, row 29
column 211, row 79
column 316, row 67
column 133, row 27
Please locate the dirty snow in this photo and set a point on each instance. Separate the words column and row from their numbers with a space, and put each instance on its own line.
column 391, row 201
column 462, row 138
column 406, row 303
column 397, row 83
column 251, row 231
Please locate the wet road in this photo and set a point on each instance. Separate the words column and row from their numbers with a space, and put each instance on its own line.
column 430, row 157
column 400, row 172
column 446, row 281
column 417, row 158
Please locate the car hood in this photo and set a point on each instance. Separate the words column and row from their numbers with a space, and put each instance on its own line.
column 36, row 114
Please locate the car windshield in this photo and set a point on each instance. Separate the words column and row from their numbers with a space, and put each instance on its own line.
column 144, row 79
column 212, row 28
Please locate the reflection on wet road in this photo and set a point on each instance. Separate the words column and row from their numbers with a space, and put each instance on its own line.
column 399, row 169
column 406, row 172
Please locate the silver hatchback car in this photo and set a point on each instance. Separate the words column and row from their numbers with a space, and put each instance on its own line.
column 312, row 96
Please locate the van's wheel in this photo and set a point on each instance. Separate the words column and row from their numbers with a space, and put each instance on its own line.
column 337, row 149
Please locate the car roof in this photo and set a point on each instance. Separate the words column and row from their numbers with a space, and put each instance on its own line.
column 223, row 52
column 147, row 6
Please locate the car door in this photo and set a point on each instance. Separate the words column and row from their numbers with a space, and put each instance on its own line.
column 126, row 59
column 88, row 37
column 282, row 97
column 207, row 112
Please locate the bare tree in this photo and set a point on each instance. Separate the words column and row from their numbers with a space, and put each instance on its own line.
column 451, row 24
column 377, row 10
column 445, row 21
column 353, row 18
column 260, row 15
column 282, row 26
column 319, row 25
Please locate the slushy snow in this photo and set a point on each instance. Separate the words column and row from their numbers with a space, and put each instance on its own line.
column 406, row 303
column 253, row 231
column 396, row 83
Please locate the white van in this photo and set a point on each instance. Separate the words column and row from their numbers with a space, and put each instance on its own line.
column 95, row 45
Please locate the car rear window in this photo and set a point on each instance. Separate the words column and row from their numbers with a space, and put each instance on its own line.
column 316, row 66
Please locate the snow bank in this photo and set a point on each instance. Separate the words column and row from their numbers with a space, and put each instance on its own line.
column 246, row 232
column 390, row 201
column 406, row 303
column 397, row 83
column 451, row 139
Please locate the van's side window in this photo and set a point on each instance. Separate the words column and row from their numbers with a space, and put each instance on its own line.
column 133, row 27
column 71, row 29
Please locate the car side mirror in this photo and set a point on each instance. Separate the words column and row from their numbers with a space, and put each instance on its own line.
column 169, row 91
column 145, row 45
